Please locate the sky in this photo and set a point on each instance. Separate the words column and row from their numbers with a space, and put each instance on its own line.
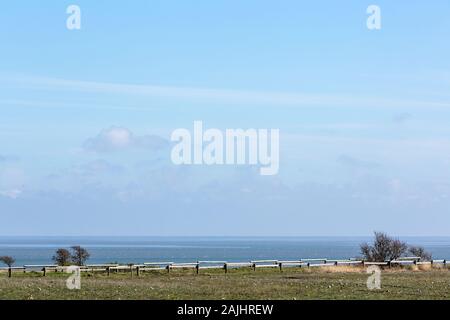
column 86, row 117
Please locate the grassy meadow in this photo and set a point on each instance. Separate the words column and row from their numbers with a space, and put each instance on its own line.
column 294, row 283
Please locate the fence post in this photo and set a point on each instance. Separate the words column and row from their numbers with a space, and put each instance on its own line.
column 45, row 271
column 281, row 266
column 168, row 268
column 138, row 271
column 9, row 272
column 131, row 270
column 225, row 267
column 108, row 271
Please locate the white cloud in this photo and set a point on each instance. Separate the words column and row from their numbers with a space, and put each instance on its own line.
column 12, row 194
column 120, row 138
column 12, row 178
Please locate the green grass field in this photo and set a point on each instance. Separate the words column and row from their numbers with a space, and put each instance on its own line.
column 337, row 283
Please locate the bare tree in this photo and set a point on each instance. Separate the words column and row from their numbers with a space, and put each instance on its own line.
column 79, row 255
column 383, row 248
column 420, row 252
column 398, row 249
column 9, row 261
column 366, row 251
column 62, row 257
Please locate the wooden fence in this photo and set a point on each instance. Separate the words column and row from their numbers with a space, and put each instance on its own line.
column 226, row 266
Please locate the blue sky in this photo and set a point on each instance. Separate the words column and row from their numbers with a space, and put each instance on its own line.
column 363, row 117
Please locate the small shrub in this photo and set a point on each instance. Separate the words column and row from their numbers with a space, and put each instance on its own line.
column 79, row 255
column 383, row 248
column 62, row 257
column 420, row 252
column 9, row 261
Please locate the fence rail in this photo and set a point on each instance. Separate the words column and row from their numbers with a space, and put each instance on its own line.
column 207, row 265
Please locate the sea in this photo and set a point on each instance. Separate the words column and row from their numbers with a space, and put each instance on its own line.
column 40, row 250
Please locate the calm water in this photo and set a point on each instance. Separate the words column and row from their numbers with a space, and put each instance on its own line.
column 39, row 250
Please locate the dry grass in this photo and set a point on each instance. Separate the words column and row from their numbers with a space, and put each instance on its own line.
column 337, row 269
